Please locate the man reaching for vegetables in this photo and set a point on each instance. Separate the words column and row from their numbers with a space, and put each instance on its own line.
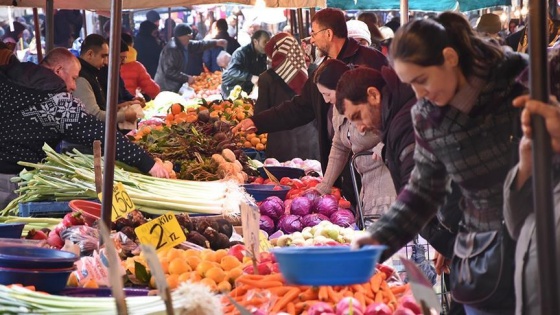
column 37, row 106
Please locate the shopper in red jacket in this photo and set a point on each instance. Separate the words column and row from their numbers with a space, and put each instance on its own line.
column 136, row 76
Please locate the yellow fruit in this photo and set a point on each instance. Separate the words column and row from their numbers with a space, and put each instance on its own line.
column 220, row 253
column 91, row 284
column 203, row 267
column 179, row 266
column 172, row 281
column 229, row 262
column 193, row 261
column 216, row 273
column 233, row 274
column 209, row 283
column 208, row 254
column 250, row 136
column 224, row 286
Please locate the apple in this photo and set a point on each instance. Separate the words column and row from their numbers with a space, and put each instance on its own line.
column 238, row 251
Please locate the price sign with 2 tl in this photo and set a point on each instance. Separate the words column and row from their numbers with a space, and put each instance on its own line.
column 162, row 232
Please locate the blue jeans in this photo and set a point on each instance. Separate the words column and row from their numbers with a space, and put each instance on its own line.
column 469, row 310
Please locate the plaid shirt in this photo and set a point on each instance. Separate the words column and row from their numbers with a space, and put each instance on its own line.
column 469, row 144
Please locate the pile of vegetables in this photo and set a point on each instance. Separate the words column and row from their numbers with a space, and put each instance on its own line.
column 70, row 176
column 324, row 233
column 306, row 210
column 192, row 148
column 307, row 165
column 207, row 84
column 268, row 293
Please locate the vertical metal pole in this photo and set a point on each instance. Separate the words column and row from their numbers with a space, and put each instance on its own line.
column 542, row 162
column 300, row 24
column 404, row 12
column 38, row 35
column 84, row 19
column 169, row 25
column 311, row 13
column 293, row 22
column 111, row 113
column 49, row 25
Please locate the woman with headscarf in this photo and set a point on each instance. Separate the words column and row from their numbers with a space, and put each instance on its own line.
column 281, row 82
column 148, row 46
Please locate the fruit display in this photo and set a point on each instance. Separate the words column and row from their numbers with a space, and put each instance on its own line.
column 207, row 84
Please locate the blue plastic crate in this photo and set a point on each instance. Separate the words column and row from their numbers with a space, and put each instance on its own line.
column 51, row 209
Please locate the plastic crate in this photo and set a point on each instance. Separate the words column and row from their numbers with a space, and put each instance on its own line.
column 50, row 209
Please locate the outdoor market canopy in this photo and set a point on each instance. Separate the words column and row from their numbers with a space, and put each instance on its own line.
column 414, row 5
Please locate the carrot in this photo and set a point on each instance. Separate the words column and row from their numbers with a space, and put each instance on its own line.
column 309, row 294
column 333, row 295
column 291, row 308
column 379, row 297
column 368, row 300
column 399, row 289
column 279, row 291
column 367, row 290
column 323, row 295
column 260, row 284
column 239, row 290
column 375, row 282
column 388, row 293
column 357, row 288
column 283, row 301
column 360, row 297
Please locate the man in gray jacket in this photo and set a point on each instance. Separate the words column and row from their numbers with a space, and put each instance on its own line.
column 174, row 59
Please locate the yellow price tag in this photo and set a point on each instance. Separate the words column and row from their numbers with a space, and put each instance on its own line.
column 122, row 204
column 162, row 232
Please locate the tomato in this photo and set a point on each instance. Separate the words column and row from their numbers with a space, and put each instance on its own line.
column 293, row 193
column 312, row 183
column 336, row 192
column 296, row 183
column 276, row 187
column 286, row 181
column 267, row 181
column 259, row 180
column 343, row 203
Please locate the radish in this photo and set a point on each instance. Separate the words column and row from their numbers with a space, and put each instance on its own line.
column 403, row 311
column 409, row 302
column 320, row 308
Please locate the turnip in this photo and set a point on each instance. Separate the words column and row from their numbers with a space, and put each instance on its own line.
column 403, row 311
column 320, row 308
column 378, row 309
column 349, row 306
column 409, row 302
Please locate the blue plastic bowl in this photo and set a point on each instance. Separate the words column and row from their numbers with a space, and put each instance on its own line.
column 327, row 265
column 261, row 192
column 27, row 257
column 11, row 230
column 282, row 171
column 51, row 281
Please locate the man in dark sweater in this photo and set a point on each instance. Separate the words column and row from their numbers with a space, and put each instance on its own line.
column 330, row 35
column 37, row 107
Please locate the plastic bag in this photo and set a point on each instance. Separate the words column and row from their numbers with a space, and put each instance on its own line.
column 186, row 91
column 223, row 59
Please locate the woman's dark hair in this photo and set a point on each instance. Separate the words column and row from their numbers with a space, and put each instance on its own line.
column 353, row 86
column 332, row 19
column 422, row 41
column 329, row 72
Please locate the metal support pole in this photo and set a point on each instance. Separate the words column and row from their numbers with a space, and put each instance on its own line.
column 404, row 12
column 293, row 22
column 542, row 162
column 169, row 25
column 111, row 113
column 300, row 24
column 84, row 19
column 38, row 34
column 49, row 25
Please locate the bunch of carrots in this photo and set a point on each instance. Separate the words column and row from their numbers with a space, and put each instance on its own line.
column 271, row 294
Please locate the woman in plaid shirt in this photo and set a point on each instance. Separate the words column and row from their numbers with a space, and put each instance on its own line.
column 463, row 123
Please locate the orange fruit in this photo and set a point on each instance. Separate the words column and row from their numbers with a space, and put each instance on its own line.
column 224, row 286
column 153, row 282
column 216, row 273
column 255, row 141
column 219, row 254
column 179, row 266
column 72, row 280
column 260, row 147
column 195, row 277
column 91, row 284
column 203, row 267
column 208, row 254
column 229, row 262
column 209, row 283
column 184, row 277
column 193, row 261
column 233, row 274
column 176, row 108
column 247, row 144
column 174, row 253
column 172, row 281
column 164, row 264
column 192, row 252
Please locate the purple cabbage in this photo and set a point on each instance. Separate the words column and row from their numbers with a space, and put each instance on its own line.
column 313, row 195
column 313, row 219
column 343, row 217
column 272, row 207
column 327, row 205
column 300, row 206
column 290, row 223
column 267, row 224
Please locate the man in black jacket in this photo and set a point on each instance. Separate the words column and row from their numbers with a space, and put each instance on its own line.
column 246, row 64
column 36, row 107
column 330, row 35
